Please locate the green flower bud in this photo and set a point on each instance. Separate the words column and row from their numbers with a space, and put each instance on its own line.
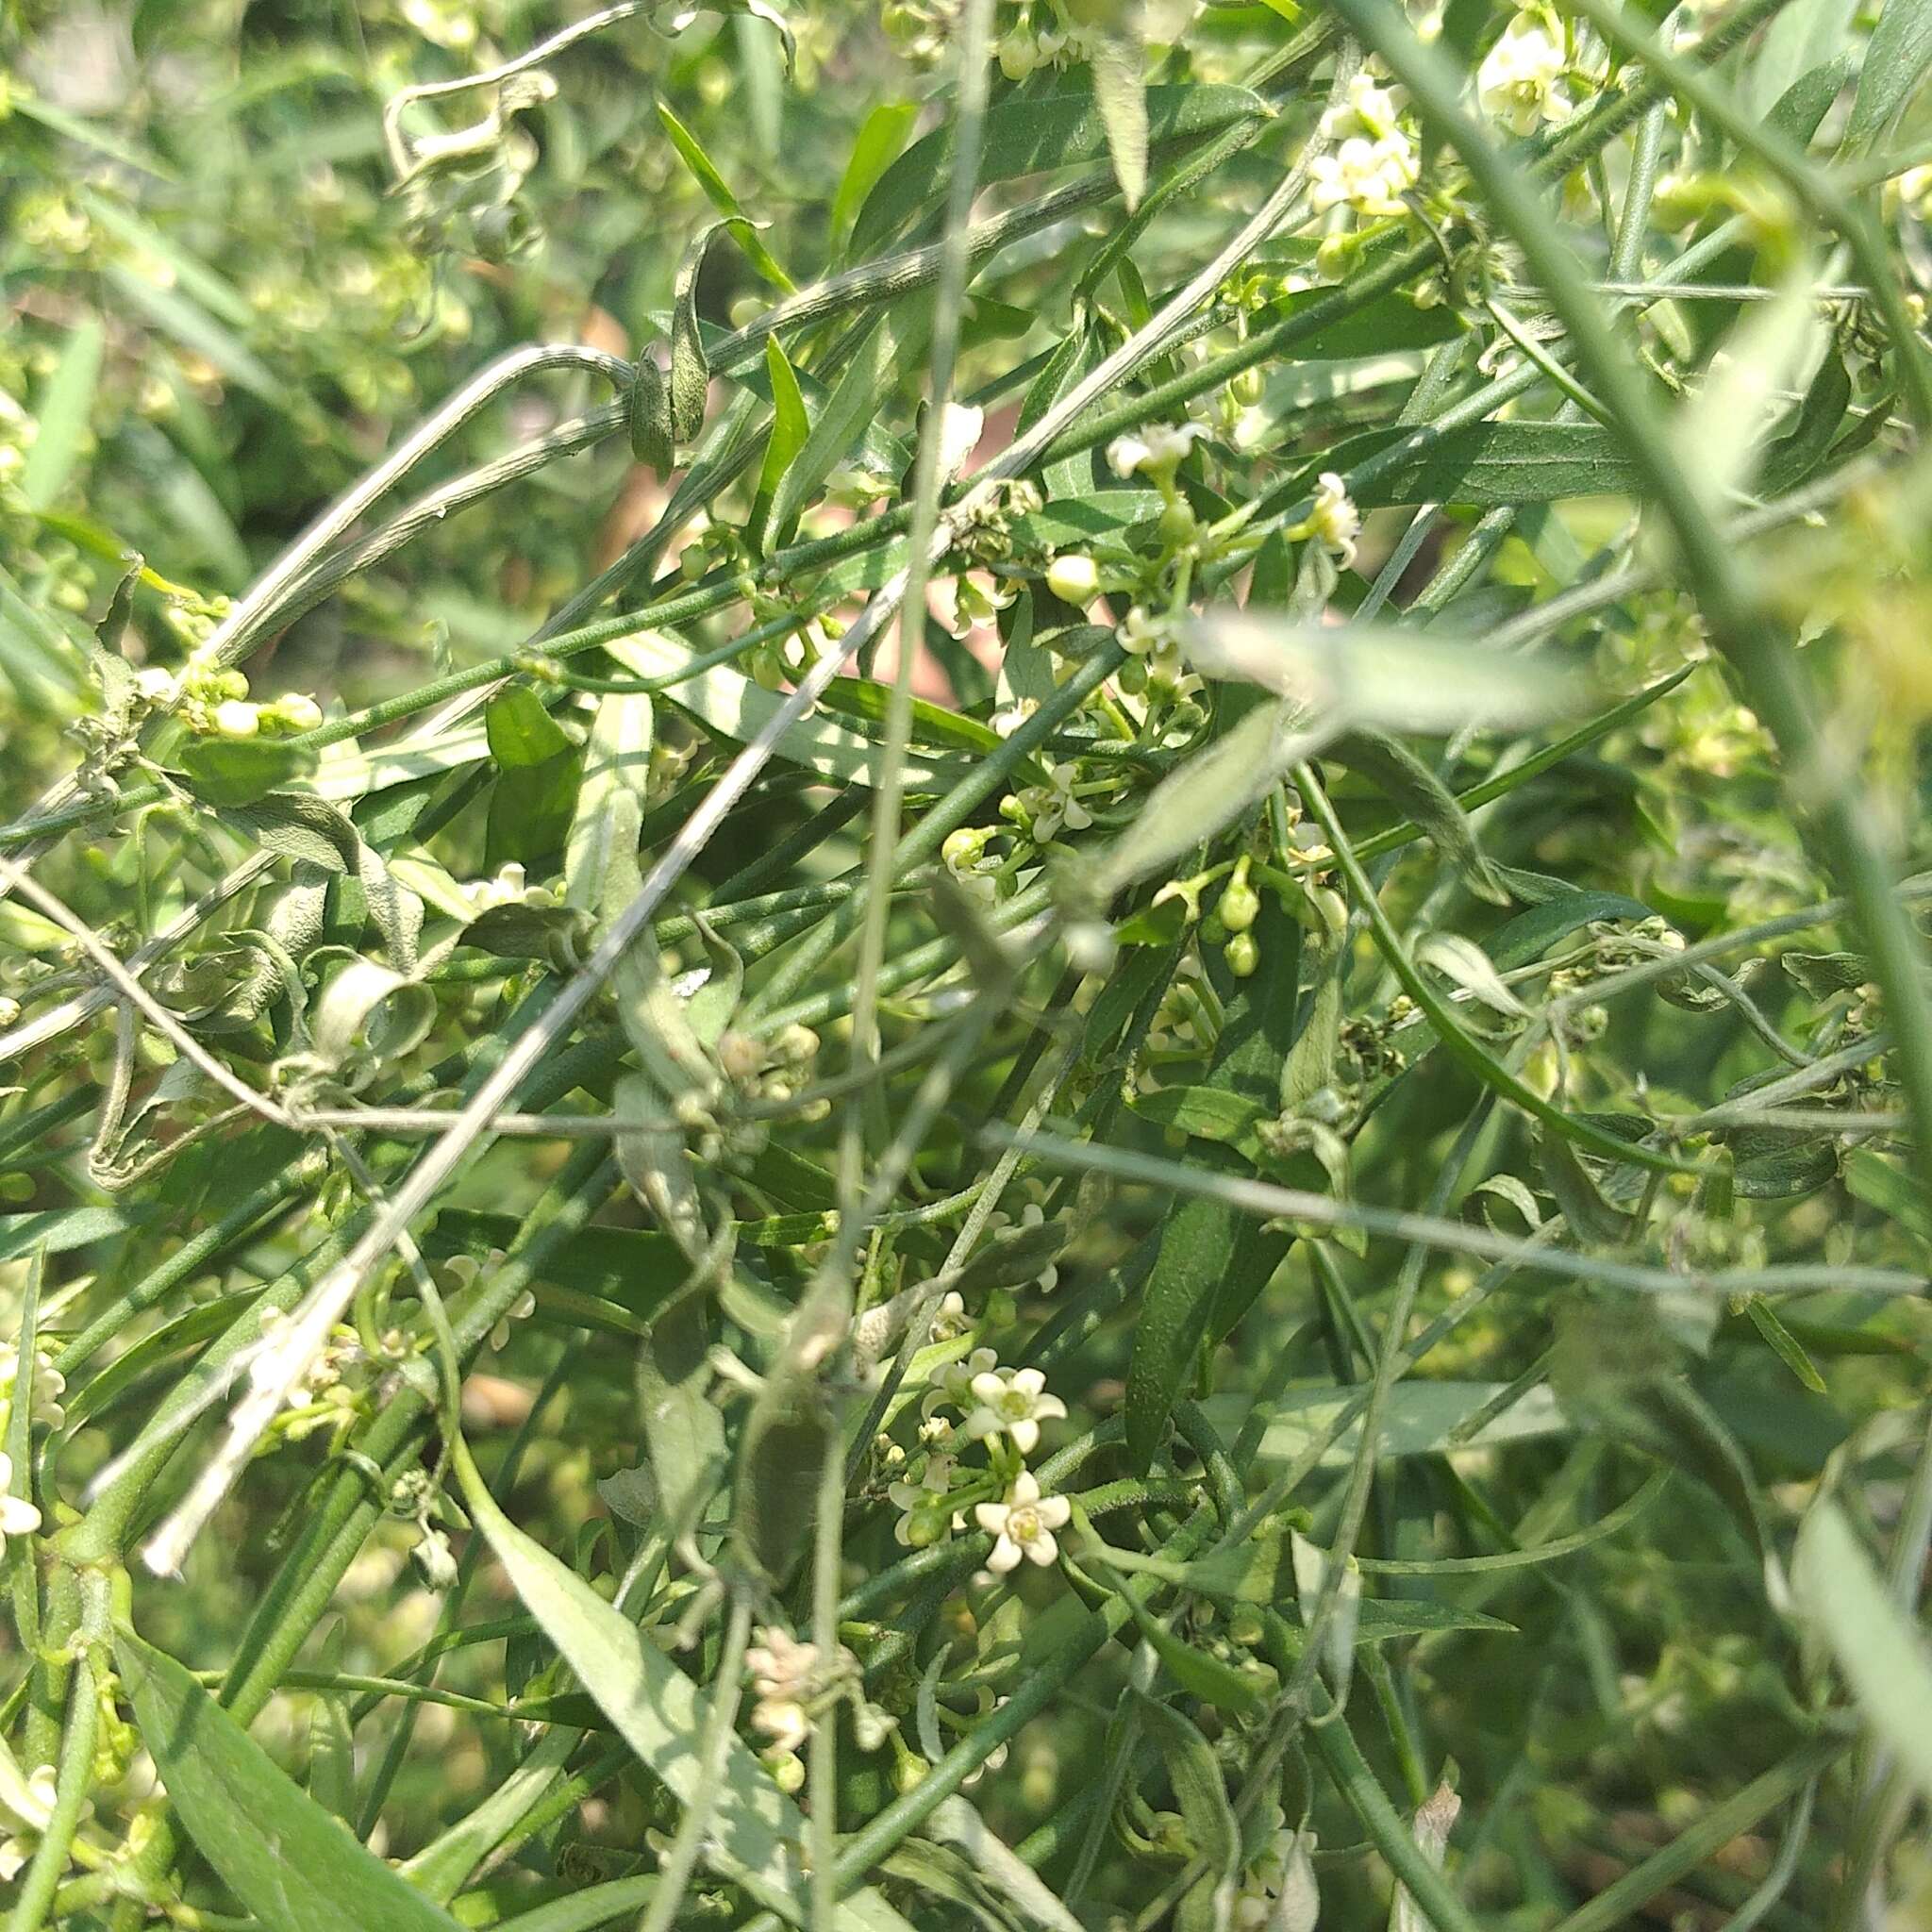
column 1243, row 955
column 1074, row 578
column 1241, row 905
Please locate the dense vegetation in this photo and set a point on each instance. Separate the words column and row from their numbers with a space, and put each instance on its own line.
column 960, row 965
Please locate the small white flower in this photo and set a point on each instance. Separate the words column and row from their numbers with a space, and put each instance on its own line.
column 157, row 686
column 1517, row 82
column 1156, row 451
column 526, row 1304
column 1336, row 521
column 1009, row 718
column 1369, row 176
column 783, row 1721
column 236, row 718
column 782, row 1668
column 1024, row 1523
column 1012, row 1404
column 954, row 1383
column 949, row 1321
column 435, row 1560
column 1366, row 108
column 18, row 1517
column 1142, row 636
column 1053, row 805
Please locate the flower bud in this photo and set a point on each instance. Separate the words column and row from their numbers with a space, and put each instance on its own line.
column 1074, row 578
column 235, row 719
column 1243, row 955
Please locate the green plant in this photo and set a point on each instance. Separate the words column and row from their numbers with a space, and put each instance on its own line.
column 909, row 1014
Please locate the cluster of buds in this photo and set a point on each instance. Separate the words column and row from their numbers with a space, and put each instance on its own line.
column 770, row 1070
column 214, row 701
column 48, row 1385
column 417, row 1497
column 326, row 1394
column 794, row 1688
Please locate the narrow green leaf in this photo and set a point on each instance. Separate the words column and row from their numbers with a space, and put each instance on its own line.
column 1212, row 1260
column 718, row 192
column 892, row 346
column 1790, row 1351
column 1409, row 783
column 791, row 427
column 600, row 857
column 1195, row 1772
column 1123, row 103
column 1884, row 1659
column 61, row 418
column 539, row 768
column 683, row 1426
column 1026, row 136
column 1896, row 59
column 880, row 138
column 280, row 1853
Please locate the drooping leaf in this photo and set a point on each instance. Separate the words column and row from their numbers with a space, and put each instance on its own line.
column 718, row 192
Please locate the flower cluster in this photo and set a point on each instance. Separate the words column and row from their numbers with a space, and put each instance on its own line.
column 794, row 1686
column 327, row 1393
column 1002, row 1409
column 1375, row 161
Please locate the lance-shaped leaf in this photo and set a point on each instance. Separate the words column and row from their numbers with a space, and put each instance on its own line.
column 600, row 857
column 280, row 1853
column 755, row 1829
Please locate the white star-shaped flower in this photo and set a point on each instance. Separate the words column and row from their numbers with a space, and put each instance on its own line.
column 1024, row 1523
column 1012, row 1404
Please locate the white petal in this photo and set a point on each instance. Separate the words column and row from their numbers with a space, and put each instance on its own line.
column 1053, row 1511
column 1025, row 1435
column 1043, row 1549
column 1029, row 1381
column 1005, row 1556
column 1026, row 1488
column 992, row 1517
